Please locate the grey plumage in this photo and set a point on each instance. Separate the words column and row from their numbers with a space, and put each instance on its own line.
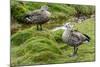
column 74, row 38
column 38, row 17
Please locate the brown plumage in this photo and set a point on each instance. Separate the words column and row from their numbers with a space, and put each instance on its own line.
column 74, row 38
column 38, row 17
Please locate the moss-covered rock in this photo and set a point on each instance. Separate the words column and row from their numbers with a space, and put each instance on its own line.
column 45, row 47
column 36, row 50
column 58, row 35
column 21, row 36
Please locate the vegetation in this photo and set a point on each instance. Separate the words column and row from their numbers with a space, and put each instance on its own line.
column 35, row 47
column 19, row 9
column 29, row 46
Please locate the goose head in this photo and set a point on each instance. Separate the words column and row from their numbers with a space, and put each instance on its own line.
column 44, row 8
column 68, row 26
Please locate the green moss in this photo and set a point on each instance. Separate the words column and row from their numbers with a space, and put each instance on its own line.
column 59, row 11
column 36, row 50
column 30, row 46
column 58, row 35
column 21, row 36
column 46, row 47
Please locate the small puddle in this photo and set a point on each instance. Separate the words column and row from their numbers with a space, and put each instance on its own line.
column 58, row 28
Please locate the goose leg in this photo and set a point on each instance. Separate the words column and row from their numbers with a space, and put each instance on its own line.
column 37, row 27
column 40, row 26
column 74, row 54
column 76, row 50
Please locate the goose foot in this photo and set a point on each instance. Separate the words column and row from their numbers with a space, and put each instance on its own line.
column 73, row 55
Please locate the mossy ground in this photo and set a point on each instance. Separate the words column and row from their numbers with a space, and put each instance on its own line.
column 34, row 47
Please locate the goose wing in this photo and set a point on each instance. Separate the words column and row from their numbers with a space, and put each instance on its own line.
column 85, row 37
column 76, row 38
column 37, row 17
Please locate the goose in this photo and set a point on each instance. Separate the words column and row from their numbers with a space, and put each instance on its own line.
column 74, row 38
column 38, row 17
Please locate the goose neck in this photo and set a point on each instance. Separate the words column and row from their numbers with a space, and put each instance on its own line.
column 67, row 32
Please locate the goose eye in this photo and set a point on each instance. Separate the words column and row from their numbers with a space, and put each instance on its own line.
column 66, row 25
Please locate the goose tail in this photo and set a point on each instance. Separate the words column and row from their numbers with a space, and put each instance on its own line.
column 87, row 38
